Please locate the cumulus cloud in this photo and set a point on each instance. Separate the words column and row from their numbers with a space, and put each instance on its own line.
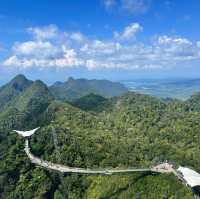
column 166, row 40
column 177, row 47
column 129, row 32
column 198, row 44
column 67, row 60
column 46, row 32
column 129, row 6
column 77, row 36
column 41, row 52
column 35, row 48
column 98, row 47
column 136, row 6
column 77, row 50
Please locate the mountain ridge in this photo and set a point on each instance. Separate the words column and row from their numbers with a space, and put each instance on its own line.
column 76, row 88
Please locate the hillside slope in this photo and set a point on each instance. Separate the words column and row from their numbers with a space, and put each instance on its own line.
column 25, row 106
column 12, row 89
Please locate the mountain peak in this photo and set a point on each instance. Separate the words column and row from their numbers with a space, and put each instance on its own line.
column 16, row 86
column 70, row 79
column 20, row 82
column 39, row 82
column 40, row 86
column 19, row 77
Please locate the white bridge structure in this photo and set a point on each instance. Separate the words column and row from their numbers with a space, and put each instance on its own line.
column 191, row 177
column 66, row 169
column 26, row 134
column 161, row 168
column 188, row 176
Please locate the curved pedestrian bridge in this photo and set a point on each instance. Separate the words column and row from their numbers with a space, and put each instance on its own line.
column 162, row 168
column 188, row 176
column 66, row 169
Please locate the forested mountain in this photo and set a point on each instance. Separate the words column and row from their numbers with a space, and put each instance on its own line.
column 194, row 102
column 132, row 130
column 12, row 89
column 29, row 99
column 91, row 102
column 76, row 88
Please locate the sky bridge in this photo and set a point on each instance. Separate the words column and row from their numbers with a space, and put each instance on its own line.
column 188, row 176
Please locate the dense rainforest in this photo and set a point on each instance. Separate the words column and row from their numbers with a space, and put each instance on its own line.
column 131, row 130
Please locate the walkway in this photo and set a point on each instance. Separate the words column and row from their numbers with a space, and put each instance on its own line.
column 162, row 168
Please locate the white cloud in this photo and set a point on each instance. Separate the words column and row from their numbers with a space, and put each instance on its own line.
column 128, row 6
column 177, row 47
column 43, row 54
column 198, row 44
column 46, row 32
column 136, row 6
column 129, row 32
column 166, row 40
column 92, row 64
column 67, row 60
column 77, row 50
column 165, row 52
column 35, row 48
column 78, row 37
column 109, row 3
column 98, row 47
column 12, row 61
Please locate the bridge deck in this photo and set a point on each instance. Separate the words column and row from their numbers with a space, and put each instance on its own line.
column 66, row 169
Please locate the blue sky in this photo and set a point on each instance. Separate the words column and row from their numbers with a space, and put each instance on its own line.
column 113, row 39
